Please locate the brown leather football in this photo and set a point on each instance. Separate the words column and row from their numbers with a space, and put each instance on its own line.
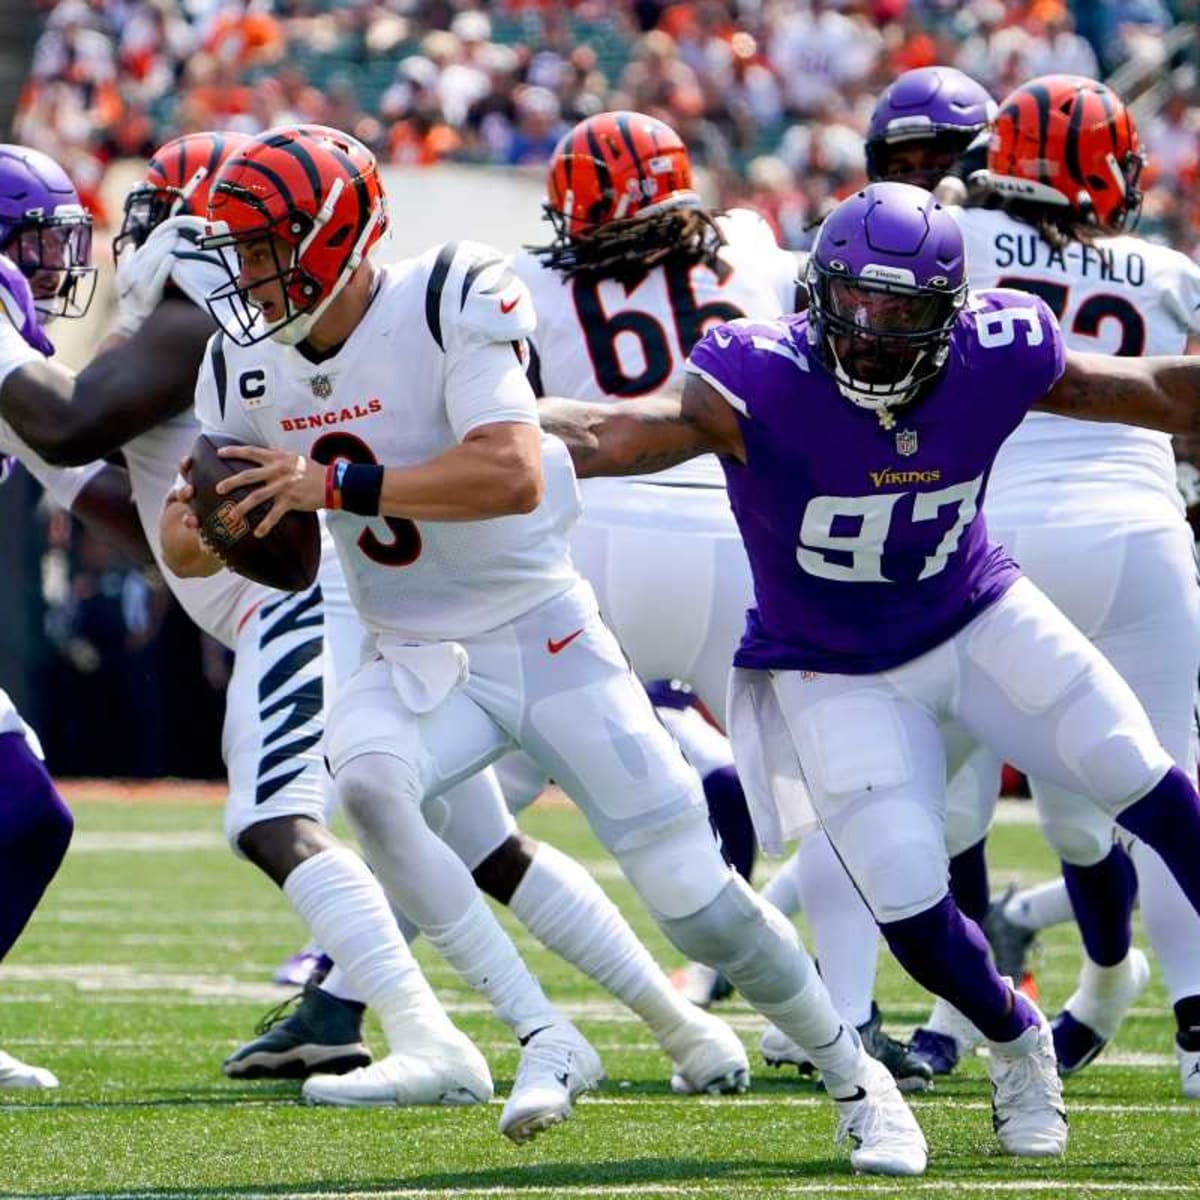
column 287, row 558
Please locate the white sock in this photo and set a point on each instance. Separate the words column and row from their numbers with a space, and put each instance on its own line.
column 845, row 936
column 1172, row 925
column 344, row 908
column 949, row 1022
column 812, row 1022
column 337, row 983
column 783, row 888
column 568, row 912
column 1040, row 907
column 1100, row 996
column 482, row 953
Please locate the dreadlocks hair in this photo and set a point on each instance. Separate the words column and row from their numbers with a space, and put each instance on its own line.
column 631, row 247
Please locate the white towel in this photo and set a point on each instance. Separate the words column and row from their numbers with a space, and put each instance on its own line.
column 425, row 673
column 767, row 764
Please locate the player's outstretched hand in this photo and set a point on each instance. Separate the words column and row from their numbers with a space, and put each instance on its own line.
column 16, row 299
column 142, row 274
column 290, row 481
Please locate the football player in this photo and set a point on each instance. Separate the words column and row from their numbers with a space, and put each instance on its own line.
column 1094, row 516
column 45, row 272
column 637, row 271
column 856, row 441
column 451, row 512
column 547, row 891
column 137, row 396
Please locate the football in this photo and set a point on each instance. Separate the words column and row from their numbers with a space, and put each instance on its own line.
column 287, row 558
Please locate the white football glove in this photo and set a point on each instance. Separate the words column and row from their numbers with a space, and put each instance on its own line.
column 142, row 274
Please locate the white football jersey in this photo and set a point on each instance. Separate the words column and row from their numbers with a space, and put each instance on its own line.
column 602, row 341
column 10, row 719
column 217, row 603
column 1118, row 295
column 400, row 391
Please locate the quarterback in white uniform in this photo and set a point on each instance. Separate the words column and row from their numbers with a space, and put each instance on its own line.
column 1093, row 514
column 139, row 392
column 451, row 512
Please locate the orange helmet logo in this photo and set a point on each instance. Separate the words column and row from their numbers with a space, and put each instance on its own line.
column 1068, row 141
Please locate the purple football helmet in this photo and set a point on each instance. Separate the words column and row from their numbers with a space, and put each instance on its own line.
column 46, row 231
column 924, row 122
column 887, row 279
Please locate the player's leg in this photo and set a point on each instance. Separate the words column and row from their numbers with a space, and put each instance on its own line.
column 35, row 830
column 275, row 817
column 874, row 762
column 386, row 759
column 583, row 715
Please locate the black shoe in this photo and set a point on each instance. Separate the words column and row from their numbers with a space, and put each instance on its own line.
column 323, row 1034
column 912, row 1074
column 1010, row 943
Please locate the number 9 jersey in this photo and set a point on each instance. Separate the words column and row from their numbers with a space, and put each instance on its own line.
column 1113, row 295
column 607, row 340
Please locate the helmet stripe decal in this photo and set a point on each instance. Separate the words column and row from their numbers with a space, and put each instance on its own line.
column 298, row 151
column 249, row 197
column 1041, row 98
column 603, row 174
column 360, row 186
column 214, row 157
column 627, row 138
column 1071, row 148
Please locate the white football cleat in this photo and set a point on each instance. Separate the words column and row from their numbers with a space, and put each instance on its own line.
column 707, row 1056
column 557, row 1065
column 16, row 1074
column 1028, row 1113
column 878, row 1122
column 1189, row 1072
column 446, row 1069
column 778, row 1050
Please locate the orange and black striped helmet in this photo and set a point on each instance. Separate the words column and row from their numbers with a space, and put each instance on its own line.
column 1068, row 141
column 614, row 166
column 178, row 179
column 317, row 192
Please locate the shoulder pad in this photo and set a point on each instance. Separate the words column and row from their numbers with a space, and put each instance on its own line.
column 472, row 294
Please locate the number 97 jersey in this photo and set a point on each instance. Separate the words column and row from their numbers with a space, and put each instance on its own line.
column 1113, row 295
column 608, row 340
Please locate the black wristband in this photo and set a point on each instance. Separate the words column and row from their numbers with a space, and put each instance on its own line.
column 360, row 489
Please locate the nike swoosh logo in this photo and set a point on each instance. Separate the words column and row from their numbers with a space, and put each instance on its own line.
column 860, row 1094
column 1194, row 1071
column 722, row 339
column 554, row 647
column 563, row 1078
column 509, row 305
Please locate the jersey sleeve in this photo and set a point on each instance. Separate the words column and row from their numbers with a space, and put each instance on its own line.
column 719, row 358
column 197, row 273
column 62, row 483
column 1185, row 296
column 781, row 269
column 481, row 315
column 1019, row 345
column 216, row 411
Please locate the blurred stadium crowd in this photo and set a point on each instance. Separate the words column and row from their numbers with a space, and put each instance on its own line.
column 772, row 97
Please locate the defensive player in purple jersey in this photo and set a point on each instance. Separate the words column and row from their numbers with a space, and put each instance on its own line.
column 45, row 272
column 856, row 441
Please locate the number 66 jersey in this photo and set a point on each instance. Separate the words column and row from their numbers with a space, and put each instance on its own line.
column 867, row 545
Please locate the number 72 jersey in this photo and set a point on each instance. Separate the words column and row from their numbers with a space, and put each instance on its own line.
column 1114, row 295
column 867, row 545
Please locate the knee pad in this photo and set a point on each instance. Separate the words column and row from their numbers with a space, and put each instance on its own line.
column 1083, row 843
column 374, row 782
column 677, row 870
column 746, row 938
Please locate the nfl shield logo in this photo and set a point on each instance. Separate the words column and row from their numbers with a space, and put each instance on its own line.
column 906, row 442
column 322, row 386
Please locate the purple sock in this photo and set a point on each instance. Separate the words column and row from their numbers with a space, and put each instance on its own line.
column 1102, row 899
column 1167, row 819
column 948, row 955
column 35, row 830
column 969, row 881
column 731, row 818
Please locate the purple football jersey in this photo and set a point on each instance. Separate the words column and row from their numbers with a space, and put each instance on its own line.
column 866, row 544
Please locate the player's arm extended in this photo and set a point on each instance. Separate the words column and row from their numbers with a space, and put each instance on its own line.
column 106, row 505
column 638, row 437
column 129, row 388
column 1160, row 392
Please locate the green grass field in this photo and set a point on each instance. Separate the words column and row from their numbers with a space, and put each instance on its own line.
column 151, row 958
